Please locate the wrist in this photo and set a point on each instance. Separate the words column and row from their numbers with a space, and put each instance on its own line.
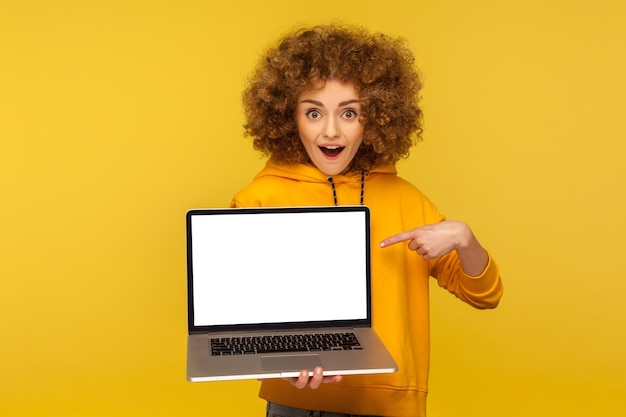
column 465, row 238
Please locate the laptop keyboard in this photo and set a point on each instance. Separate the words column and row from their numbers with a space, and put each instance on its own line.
column 318, row 342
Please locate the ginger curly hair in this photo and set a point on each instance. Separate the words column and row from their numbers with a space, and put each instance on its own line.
column 381, row 69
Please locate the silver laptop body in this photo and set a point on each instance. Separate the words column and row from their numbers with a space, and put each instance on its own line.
column 272, row 291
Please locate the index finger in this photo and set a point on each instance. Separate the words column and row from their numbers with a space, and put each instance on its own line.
column 392, row 240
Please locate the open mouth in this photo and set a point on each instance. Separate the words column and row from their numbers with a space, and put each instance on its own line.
column 331, row 150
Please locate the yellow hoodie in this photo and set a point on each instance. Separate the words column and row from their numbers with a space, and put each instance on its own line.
column 400, row 280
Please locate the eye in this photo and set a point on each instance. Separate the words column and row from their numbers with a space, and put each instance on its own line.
column 313, row 114
column 349, row 114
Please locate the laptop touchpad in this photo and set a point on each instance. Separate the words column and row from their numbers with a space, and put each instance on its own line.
column 290, row 362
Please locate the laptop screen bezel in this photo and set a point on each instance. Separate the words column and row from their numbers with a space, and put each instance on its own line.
column 197, row 329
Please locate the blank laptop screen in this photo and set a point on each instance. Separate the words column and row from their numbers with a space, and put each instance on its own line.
column 271, row 267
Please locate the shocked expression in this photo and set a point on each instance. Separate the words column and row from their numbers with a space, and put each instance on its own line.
column 329, row 127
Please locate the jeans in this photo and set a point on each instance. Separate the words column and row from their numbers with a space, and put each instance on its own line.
column 277, row 410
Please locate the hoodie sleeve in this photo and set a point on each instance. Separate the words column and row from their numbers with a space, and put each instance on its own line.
column 482, row 291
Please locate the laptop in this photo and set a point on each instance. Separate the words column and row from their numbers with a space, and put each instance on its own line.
column 273, row 291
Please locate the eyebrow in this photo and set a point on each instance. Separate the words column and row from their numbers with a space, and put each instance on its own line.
column 320, row 104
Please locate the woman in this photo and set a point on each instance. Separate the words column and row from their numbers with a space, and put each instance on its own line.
column 334, row 109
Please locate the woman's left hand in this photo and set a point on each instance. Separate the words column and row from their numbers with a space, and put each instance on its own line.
column 434, row 240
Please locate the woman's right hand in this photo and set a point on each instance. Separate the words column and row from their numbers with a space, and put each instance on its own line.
column 314, row 380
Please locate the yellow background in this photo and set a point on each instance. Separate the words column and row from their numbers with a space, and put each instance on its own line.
column 117, row 116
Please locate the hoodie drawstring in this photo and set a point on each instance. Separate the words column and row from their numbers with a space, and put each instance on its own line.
column 332, row 185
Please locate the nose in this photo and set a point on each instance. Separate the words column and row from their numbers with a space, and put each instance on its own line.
column 332, row 128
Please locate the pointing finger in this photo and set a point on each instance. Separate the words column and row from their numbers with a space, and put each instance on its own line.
column 400, row 237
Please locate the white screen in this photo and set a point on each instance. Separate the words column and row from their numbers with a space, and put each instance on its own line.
column 278, row 267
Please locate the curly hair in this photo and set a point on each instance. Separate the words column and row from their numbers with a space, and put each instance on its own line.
column 381, row 70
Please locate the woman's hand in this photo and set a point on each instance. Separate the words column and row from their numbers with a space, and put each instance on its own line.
column 313, row 381
column 436, row 240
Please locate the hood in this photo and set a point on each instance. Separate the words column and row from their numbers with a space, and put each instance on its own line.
column 309, row 173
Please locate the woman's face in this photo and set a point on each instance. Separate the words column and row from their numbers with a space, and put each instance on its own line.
column 329, row 127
